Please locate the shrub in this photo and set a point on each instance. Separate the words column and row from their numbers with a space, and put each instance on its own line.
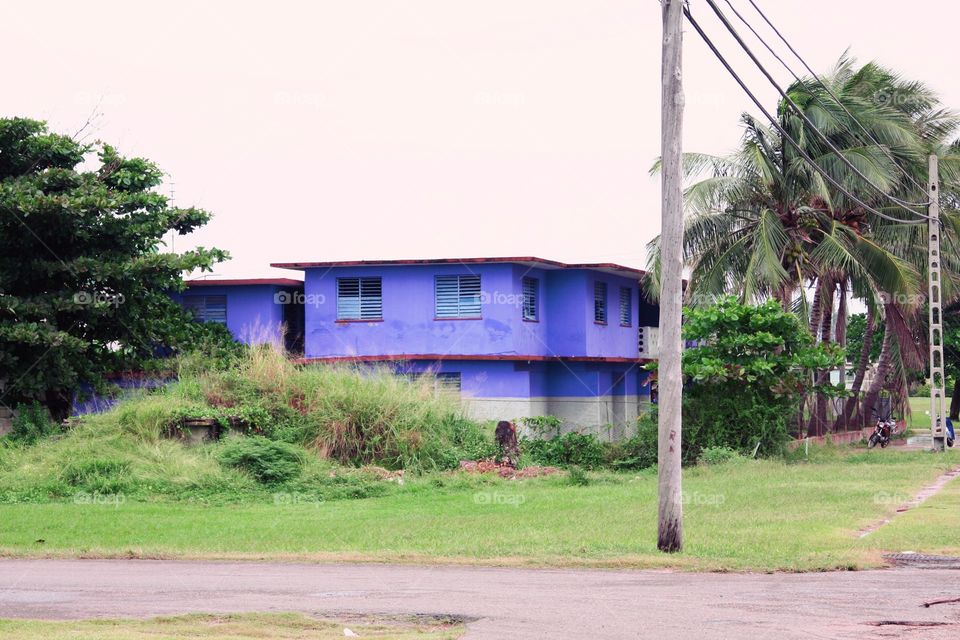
column 542, row 426
column 718, row 455
column 578, row 477
column 745, row 381
column 269, row 461
column 31, row 423
column 570, row 449
column 639, row 451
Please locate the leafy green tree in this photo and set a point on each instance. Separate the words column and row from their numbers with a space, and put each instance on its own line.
column 749, row 375
column 84, row 278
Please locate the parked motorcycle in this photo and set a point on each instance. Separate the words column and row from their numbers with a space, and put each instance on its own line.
column 881, row 434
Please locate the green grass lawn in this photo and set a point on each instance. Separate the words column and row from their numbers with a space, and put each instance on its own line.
column 919, row 417
column 755, row 515
column 226, row 627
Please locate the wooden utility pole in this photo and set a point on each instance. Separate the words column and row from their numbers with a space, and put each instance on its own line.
column 937, row 379
column 670, row 512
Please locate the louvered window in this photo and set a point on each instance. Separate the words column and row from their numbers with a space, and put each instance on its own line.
column 531, row 288
column 600, row 302
column 626, row 306
column 457, row 297
column 447, row 383
column 207, row 308
column 359, row 299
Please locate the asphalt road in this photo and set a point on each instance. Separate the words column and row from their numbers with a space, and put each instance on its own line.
column 502, row 603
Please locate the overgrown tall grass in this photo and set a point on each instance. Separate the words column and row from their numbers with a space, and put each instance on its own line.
column 338, row 416
column 354, row 415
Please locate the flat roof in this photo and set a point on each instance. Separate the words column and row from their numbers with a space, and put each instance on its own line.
column 528, row 261
column 281, row 282
column 472, row 357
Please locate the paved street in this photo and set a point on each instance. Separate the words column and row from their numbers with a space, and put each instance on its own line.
column 501, row 603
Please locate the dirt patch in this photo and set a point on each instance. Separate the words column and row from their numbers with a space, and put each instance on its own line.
column 505, row 471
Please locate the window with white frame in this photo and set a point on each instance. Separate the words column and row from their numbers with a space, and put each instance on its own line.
column 207, row 308
column 457, row 296
column 600, row 302
column 531, row 291
column 359, row 299
column 626, row 306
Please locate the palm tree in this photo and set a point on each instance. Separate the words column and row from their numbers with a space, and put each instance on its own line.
column 763, row 224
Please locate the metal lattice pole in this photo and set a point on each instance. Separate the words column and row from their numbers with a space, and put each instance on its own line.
column 937, row 378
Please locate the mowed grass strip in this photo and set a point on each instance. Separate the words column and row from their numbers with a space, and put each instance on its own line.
column 755, row 515
column 933, row 527
column 220, row 627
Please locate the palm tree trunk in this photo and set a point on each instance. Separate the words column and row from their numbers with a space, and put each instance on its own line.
column 823, row 376
column 815, row 310
column 841, row 339
column 862, row 365
column 880, row 377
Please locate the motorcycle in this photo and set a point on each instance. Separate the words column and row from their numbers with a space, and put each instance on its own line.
column 881, row 434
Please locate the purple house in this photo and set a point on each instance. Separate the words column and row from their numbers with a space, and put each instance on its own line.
column 255, row 310
column 514, row 337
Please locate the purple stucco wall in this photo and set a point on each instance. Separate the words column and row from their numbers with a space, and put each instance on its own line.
column 565, row 325
column 504, row 379
column 253, row 311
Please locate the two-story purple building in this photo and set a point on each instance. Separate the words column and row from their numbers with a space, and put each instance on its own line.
column 515, row 337
column 255, row 310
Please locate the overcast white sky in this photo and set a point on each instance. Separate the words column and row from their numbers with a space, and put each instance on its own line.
column 328, row 130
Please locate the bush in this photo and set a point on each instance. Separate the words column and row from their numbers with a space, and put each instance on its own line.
column 570, row 449
column 31, row 423
column 269, row 461
column 542, row 426
column 578, row 477
column 745, row 382
column 639, row 451
column 737, row 423
column 718, row 455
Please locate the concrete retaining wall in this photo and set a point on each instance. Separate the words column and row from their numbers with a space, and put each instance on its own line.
column 610, row 417
column 844, row 437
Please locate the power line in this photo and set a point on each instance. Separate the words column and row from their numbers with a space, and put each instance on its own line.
column 782, row 131
column 803, row 116
column 813, row 74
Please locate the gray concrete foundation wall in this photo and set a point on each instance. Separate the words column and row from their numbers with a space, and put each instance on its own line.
column 610, row 417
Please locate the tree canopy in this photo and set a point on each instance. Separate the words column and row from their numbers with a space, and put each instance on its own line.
column 85, row 275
